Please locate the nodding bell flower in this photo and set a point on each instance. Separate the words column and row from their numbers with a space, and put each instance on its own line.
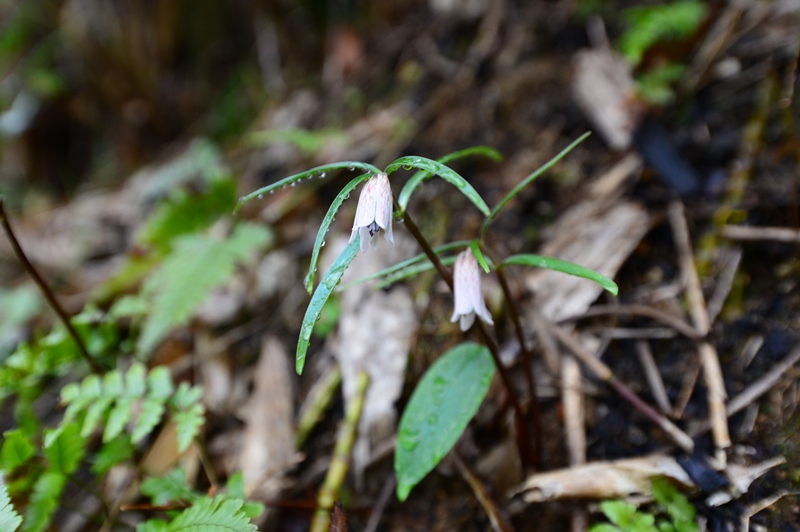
column 374, row 212
column 467, row 291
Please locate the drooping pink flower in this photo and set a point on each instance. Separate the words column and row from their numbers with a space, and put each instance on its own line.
column 374, row 212
column 467, row 292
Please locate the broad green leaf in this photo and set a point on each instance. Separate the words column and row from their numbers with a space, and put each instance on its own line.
column 404, row 264
column 604, row 527
column 152, row 525
column 618, row 512
column 441, row 407
column 446, row 173
column 676, row 504
column 208, row 515
column 44, row 501
column 325, row 227
column 562, row 266
column 476, row 250
column 527, row 181
column 66, row 450
column 321, row 295
column 416, row 180
column 319, row 171
column 9, row 518
column 16, row 450
column 112, row 453
column 196, row 266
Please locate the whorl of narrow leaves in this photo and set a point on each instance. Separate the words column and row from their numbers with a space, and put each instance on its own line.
column 9, row 518
column 110, row 401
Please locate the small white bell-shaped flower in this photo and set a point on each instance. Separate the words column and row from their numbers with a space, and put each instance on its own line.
column 374, row 212
column 467, row 292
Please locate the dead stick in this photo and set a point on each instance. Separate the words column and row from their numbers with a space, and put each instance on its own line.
column 758, row 388
column 340, row 462
column 496, row 518
column 709, row 360
column 604, row 373
column 48, row 294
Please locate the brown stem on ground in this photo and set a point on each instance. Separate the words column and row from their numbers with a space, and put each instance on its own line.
column 48, row 294
column 528, row 360
column 524, row 451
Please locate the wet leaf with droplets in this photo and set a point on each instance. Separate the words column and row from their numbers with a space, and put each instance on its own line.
column 324, row 227
column 441, row 407
column 323, row 292
column 445, row 172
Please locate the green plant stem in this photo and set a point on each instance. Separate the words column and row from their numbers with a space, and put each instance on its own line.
column 524, row 451
column 527, row 359
column 48, row 294
column 320, row 398
column 340, row 462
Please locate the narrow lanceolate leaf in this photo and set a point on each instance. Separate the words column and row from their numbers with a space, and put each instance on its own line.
column 412, row 271
column 325, row 226
column 416, row 180
column 404, row 264
column 319, row 171
column 439, row 410
column 527, row 181
column 446, row 173
column 476, row 250
column 9, row 518
column 321, row 295
column 564, row 267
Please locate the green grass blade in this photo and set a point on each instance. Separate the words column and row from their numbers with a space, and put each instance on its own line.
column 417, row 179
column 403, row 264
column 323, row 292
column 446, row 173
column 318, row 171
column 412, row 271
column 326, row 223
column 563, row 267
column 528, row 180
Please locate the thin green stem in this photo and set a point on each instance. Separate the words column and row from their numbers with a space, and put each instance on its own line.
column 48, row 294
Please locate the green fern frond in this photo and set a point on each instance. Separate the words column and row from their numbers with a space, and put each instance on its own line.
column 169, row 488
column 9, row 518
column 197, row 265
column 111, row 400
column 44, row 501
column 220, row 514
column 16, row 450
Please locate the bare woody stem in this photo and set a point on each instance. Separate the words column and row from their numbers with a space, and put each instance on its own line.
column 490, row 343
column 527, row 359
column 48, row 294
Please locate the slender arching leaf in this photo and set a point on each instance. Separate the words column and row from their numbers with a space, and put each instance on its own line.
column 563, row 267
column 412, row 271
column 404, row 264
column 319, row 171
column 417, row 179
column 444, row 402
column 446, row 173
column 528, row 180
column 476, row 250
column 321, row 295
column 325, row 225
